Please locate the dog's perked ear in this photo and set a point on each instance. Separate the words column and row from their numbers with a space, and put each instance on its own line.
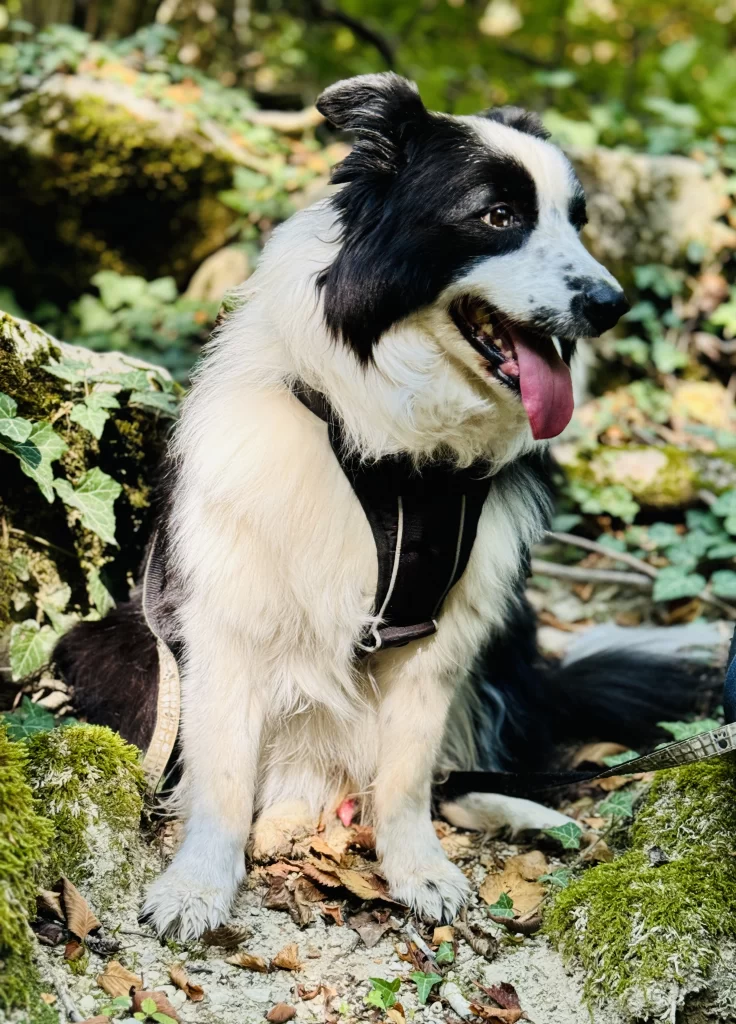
column 383, row 111
column 526, row 121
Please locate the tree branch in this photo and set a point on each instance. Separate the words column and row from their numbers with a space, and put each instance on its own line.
column 360, row 29
column 616, row 556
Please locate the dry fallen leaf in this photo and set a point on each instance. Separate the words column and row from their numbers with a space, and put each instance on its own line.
column 287, row 958
column 599, row 852
column 47, row 997
column 74, row 950
column 97, row 1020
column 444, row 933
column 530, row 865
column 79, row 917
column 281, row 869
column 305, row 994
column 320, row 845
column 333, row 911
column 50, row 933
column 366, row 887
column 496, row 1016
column 249, row 962
column 596, row 752
column 181, row 979
column 594, row 822
column 118, row 980
column 525, row 895
column 615, row 782
column 504, row 994
column 49, row 902
column 364, row 837
column 227, row 936
column 395, row 1015
column 316, row 872
column 280, row 1013
column 162, row 1003
column 369, row 928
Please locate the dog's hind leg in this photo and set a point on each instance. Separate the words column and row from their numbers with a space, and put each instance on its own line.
column 222, row 718
column 411, row 727
column 494, row 812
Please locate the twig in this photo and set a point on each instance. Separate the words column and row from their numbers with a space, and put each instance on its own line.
column 40, row 540
column 419, row 942
column 591, row 545
column 357, row 27
column 65, row 999
column 288, row 122
column 707, row 497
column 574, row 572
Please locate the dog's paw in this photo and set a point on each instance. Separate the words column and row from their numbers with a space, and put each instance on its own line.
column 435, row 892
column 279, row 830
column 188, row 898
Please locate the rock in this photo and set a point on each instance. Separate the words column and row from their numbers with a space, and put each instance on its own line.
column 648, row 209
column 220, row 272
column 24, row 835
column 75, row 495
column 651, row 937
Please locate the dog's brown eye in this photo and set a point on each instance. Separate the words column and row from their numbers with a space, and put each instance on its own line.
column 499, row 216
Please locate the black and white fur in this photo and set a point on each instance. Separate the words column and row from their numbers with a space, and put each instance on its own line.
column 273, row 559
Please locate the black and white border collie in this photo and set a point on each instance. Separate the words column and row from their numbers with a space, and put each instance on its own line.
column 435, row 301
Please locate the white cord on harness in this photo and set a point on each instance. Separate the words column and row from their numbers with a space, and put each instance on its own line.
column 392, row 582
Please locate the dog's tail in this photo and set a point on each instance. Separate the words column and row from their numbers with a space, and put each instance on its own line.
column 111, row 667
column 614, row 684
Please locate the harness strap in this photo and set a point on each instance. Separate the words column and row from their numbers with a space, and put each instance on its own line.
column 424, row 523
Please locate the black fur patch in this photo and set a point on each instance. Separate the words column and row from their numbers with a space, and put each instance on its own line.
column 526, row 121
column 415, row 188
column 576, row 211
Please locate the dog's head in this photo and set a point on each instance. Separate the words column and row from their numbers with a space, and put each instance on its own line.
column 474, row 220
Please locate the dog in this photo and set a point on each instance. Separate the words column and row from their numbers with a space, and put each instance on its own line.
column 433, row 303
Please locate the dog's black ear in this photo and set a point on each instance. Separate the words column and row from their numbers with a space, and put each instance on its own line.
column 383, row 111
column 516, row 117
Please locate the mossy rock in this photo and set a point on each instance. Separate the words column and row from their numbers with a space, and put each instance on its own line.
column 89, row 783
column 24, row 840
column 653, row 926
column 57, row 563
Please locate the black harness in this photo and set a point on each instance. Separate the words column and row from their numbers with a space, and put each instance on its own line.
column 424, row 523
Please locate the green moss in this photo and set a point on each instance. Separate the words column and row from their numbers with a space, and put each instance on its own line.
column 89, row 782
column 646, row 935
column 24, row 840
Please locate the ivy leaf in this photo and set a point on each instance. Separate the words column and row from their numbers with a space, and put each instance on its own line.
column 568, row 835
column 503, row 907
column 99, row 595
column 162, row 1018
column 93, row 412
column 445, row 954
column 30, row 647
column 94, row 496
column 28, row 720
column 73, row 371
column 673, row 583
column 561, row 878
column 661, row 535
column 43, row 447
column 566, row 521
column 615, row 759
column 53, row 601
column 424, row 983
column 15, row 428
column 163, row 403
column 618, row 805
column 383, row 993
column 723, row 551
column 723, row 583
column 730, row 523
column 725, row 505
column 686, row 730
column 127, row 380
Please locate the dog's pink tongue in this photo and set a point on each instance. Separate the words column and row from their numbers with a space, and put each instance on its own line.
column 546, row 386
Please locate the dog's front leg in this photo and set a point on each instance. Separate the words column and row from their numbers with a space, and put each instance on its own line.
column 412, row 723
column 222, row 719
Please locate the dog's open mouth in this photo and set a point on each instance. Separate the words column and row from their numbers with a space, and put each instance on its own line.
column 521, row 358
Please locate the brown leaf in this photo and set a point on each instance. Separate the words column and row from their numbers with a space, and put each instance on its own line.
column 320, row 845
column 615, row 782
column 370, row 930
column 79, row 917
column 594, row 822
column 249, row 962
column 484, row 945
column 118, row 980
column 49, row 902
column 366, row 887
column 281, row 869
column 162, row 1003
column 181, row 979
column 599, row 852
column 47, row 997
column 444, row 933
column 50, row 933
column 74, row 950
column 227, row 936
column 596, row 752
column 305, row 890
column 395, row 1015
column 305, row 994
column 334, row 911
column 526, row 895
column 319, row 875
column 280, row 1013
column 287, row 958
column 496, row 1016
column 529, row 865
column 364, row 837
column 504, row 994
column 97, row 1020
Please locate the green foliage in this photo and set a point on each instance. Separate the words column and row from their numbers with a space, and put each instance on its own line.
column 445, row 953
column 24, row 838
column 383, row 993
column 503, row 907
column 618, row 805
column 568, row 835
column 424, row 983
column 560, row 878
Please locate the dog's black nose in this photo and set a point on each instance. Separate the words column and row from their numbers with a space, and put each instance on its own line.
column 603, row 305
